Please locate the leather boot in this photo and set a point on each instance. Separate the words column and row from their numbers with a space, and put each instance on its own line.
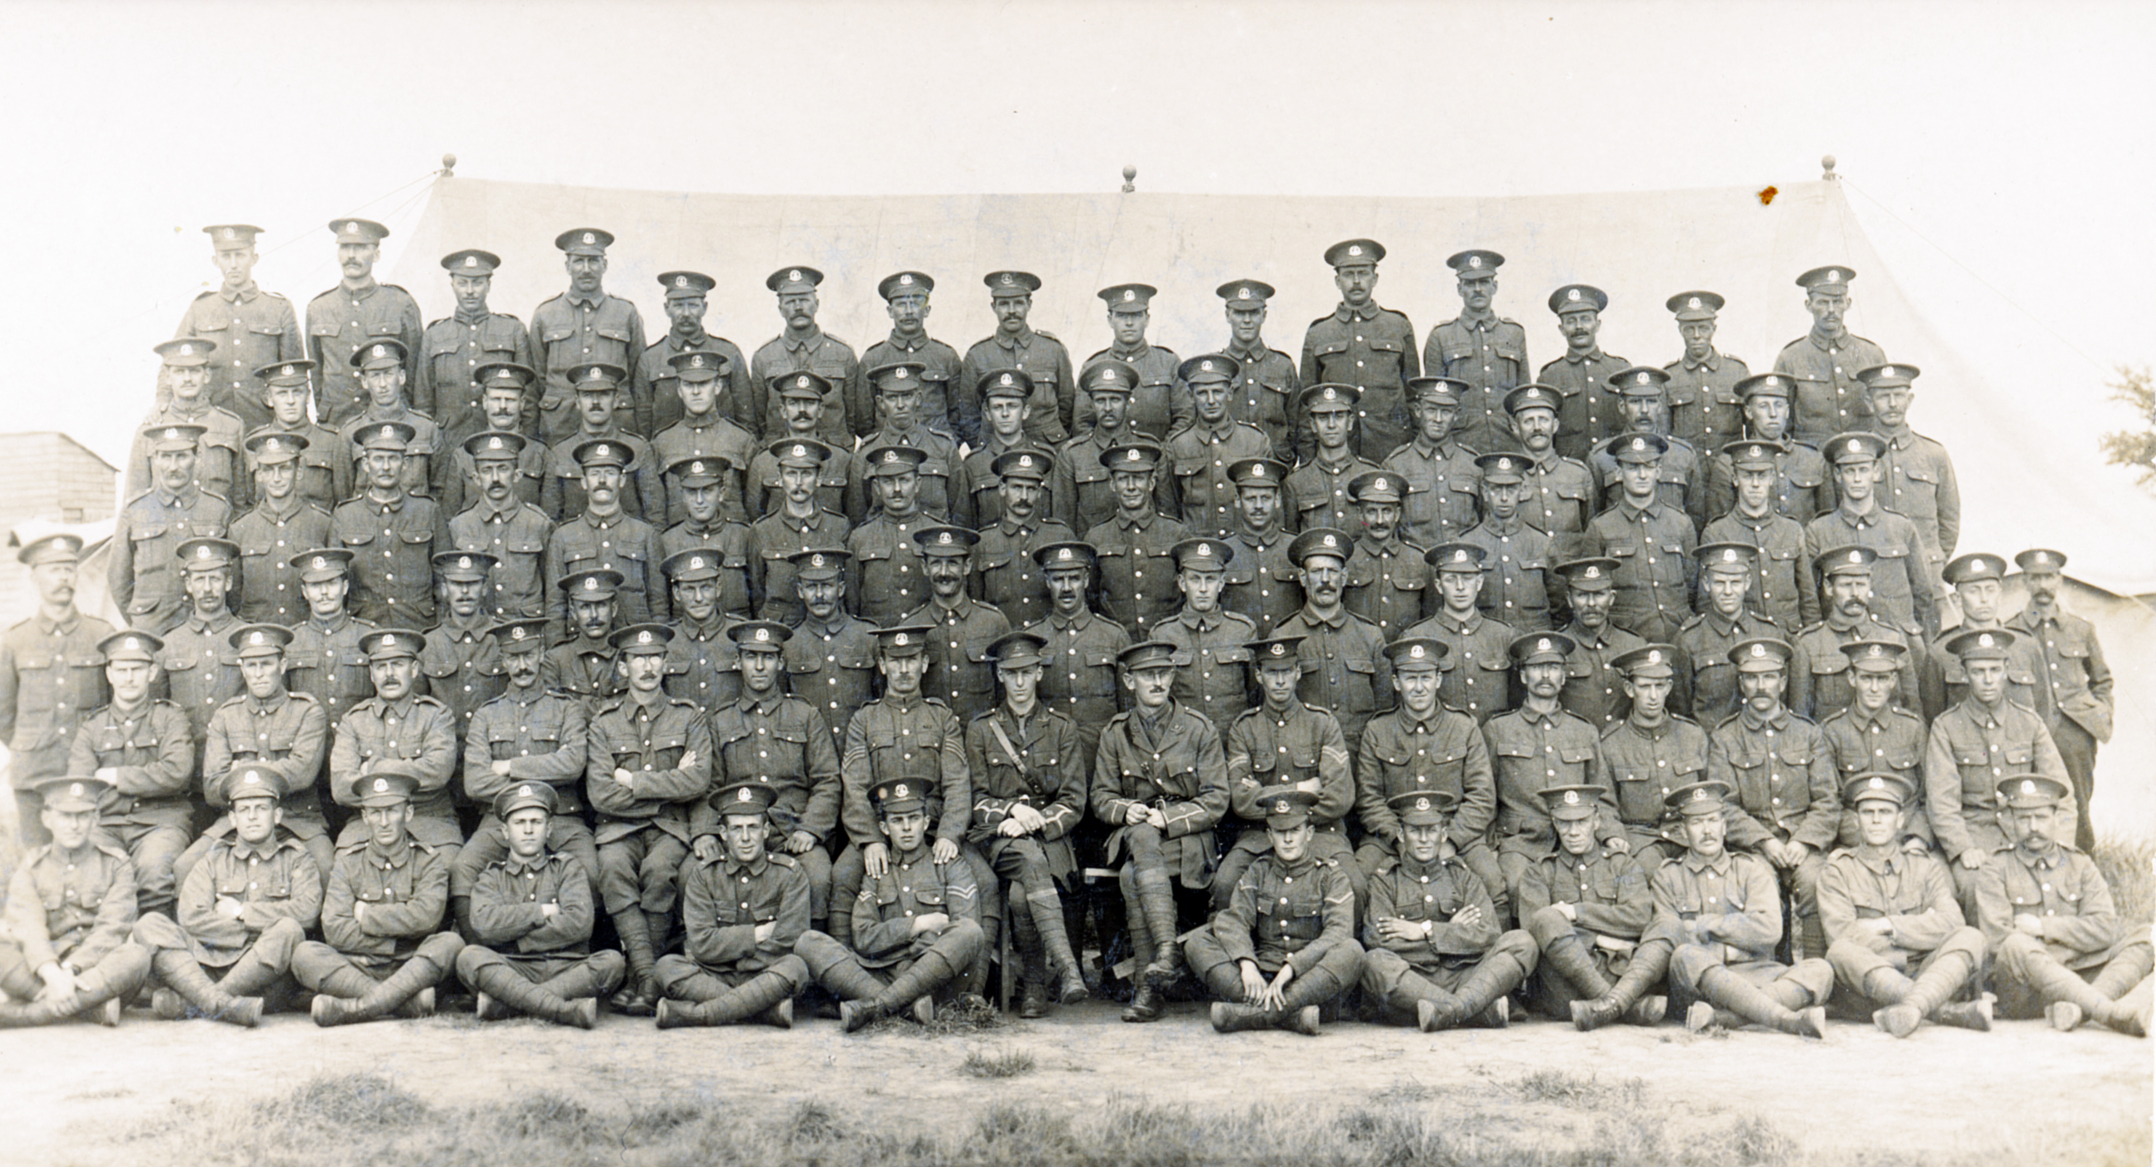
column 1703, row 1015
column 1480, row 997
column 403, row 991
column 1749, row 1001
column 973, row 986
column 1924, row 996
column 183, row 976
column 1974, row 1015
column 1569, row 959
column 1157, row 896
column 1045, row 910
column 1033, row 993
column 1628, row 999
column 917, row 983
column 2127, row 969
column 510, row 994
column 1304, row 998
column 1145, row 996
column 766, row 997
column 640, row 989
column 1144, row 1002
column 1229, row 1017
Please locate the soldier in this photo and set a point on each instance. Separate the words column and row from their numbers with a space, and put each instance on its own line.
column 270, row 730
column 1477, row 655
column 1201, row 453
column 889, row 577
column 1782, row 590
column 1484, row 351
column 226, row 952
column 744, row 910
column 1825, row 361
column 1593, row 686
column 1433, row 936
column 401, row 730
column 604, row 537
column 51, row 674
column 1083, row 647
column 454, row 350
column 1708, row 692
column 218, row 467
column 1031, row 793
column 1212, row 645
column 1156, row 406
column 201, row 668
column 705, row 529
column 960, row 628
column 460, row 662
column 898, row 390
column 2075, row 674
column 531, row 924
column 1979, row 582
column 800, row 400
column 905, row 299
column 1363, row 345
column 1344, row 670
column 141, row 750
column 920, row 918
column 1319, row 487
column 529, row 736
column 1540, row 742
column 1904, row 586
column 1005, row 406
column 250, row 327
column 586, row 325
column 1801, row 486
column 1082, row 489
column 381, row 368
column 1388, row 580
column 1588, row 414
column 1134, row 549
column 831, row 656
column 2047, row 914
column 685, row 303
column 1282, row 744
column 64, row 947
column 354, row 314
column 1717, row 918
column 1518, row 557
column 1262, row 582
column 1782, row 773
column 1915, row 473
column 382, row 915
column 648, row 761
column 1005, row 577
column 803, row 347
column 1422, row 747
column 1441, row 473
column 324, row 660
column 700, row 431
column 563, row 495
column 503, row 388
column 1897, row 940
column 505, row 526
column 1875, row 734
column 1585, row 906
column 1975, row 746
column 1681, row 475
column 282, row 524
column 1704, row 408
column 1160, row 783
column 394, row 535
column 1650, row 753
column 1651, row 540
column 1266, row 381
column 702, row 666
column 153, row 524
column 1016, row 345
column 325, row 464
column 1560, row 490
column 798, row 523
column 1819, row 678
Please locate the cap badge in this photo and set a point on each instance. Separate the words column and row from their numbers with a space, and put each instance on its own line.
column 1129, row 295
column 1332, row 541
column 1639, row 443
column 1572, row 798
column 1205, row 549
column 1834, row 275
column 906, row 279
column 252, row 638
column 901, row 640
column 1877, row 784
column 1654, row 656
column 744, row 795
column 763, row 634
column 681, row 281
column 1643, row 379
column 1888, row 371
column 944, row 539
column 1759, row 650
column 1242, row 293
column 1692, row 303
column 696, row 562
column 1330, row 394
column 352, row 228
column 2028, row 787
column 899, row 374
column 230, row 233
column 643, row 638
column 1474, row 261
column 1026, row 461
column 815, row 561
column 1065, row 553
column 471, row 261
column 697, row 361
column 1855, row 446
column 320, row 562
column 1572, row 294
column 388, row 432
column 1417, row 652
column 794, row 274
column 1355, row 249
column 75, row 788
column 591, row 584
column 1699, row 795
column 204, row 551
column 1205, row 366
column 1280, row 650
column 696, row 467
column 1593, row 572
column 1280, row 806
column 800, row 451
column 518, row 633
column 1542, row 645
column 891, row 456
column 1422, row 804
column 1005, row 380
column 899, row 791
column 1007, row 279
column 381, row 785
column 1984, row 640
column 187, row 350
column 1460, row 556
column 589, row 238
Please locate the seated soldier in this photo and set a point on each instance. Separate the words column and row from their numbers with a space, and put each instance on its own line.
column 1780, row 771
column 143, row 749
column 531, row 923
column 528, row 734
column 272, row 728
column 1283, row 742
column 1421, row 747
column 1717, row 919
column 1285, row 944
column 398, row 729
column 1160, row 782
column 1431, row 932
column 917, row 918
column 1586, row 906
column 383, row 915
column 1649, row 753
column 244, row 911
column 1889, row 913
column 2057, row 945
column 744, row 910
column 68, row 959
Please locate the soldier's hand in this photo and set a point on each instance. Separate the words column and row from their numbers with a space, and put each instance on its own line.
column 230, row 906
column 1393, row 928
column 501, row 768
column 359, row 910
column 1972, row 858
column 58, row 981
column 688, row 760
column 875, row 860
column 2032, row 925
column 800, row 842
column 1876, row 926
column 1028, row 818
column 1134, row 815
column 549, row 911
column 1570, row 912
column 1445, row 850
column 1253, row 983
column 1620, row 845
column 109, row 774
column 943, row 852
column 625, row 777
column 765, row 929
column 1275, row 995
column 930, row 922
column 1914, row 846
column 1468, row 916
column 1010, row 828
column 705, row 847
column 1156, row 818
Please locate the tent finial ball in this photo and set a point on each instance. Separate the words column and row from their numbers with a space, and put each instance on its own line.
column 1129, row 173
column 1826, row 164
column 449, row 164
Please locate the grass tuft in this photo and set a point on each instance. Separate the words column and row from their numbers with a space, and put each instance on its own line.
column 1006, row 1063
column 345, row 1100
column 2129, row 866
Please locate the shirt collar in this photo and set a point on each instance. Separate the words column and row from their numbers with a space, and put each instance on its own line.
column 1478, row 321
column 1250, row 356
column 266, row 849
column 736, row 867
column 1335, row 621
column 1534, row 718
column 907, row 346
column 490, row 513
column 52, row 627
column 1202, row 621
column 362, row 291
column 1592, row 354
column 1346, row 312
column 518, row 865
column 1141, row 521
column 1711, row 362
column 472, row 319
column 1075, row 623
column 586, row 299
column 1825, row 344
column 245, row 292
column 1719, row 864
column 806, row 340
column 1780, row 719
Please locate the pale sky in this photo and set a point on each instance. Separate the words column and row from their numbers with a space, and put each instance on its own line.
column 2013, row 136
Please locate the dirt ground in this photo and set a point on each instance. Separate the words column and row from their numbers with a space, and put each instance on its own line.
column 2023, row 1089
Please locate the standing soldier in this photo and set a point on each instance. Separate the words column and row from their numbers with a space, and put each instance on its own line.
column 706, row 529
column 1904, row 586
column 1876, row 734
column 743, row 911
column 898, row 392
column 803, row 347
column 454, row 350
column 1974, row 747
column 325, row 660
column 684, row 305
column 585, row 325
column 1282, row 744
column 381, row 915
column 325, row 464
column 1593, row 686
column 1915, row 472
column 1032, row 792
column 1585, row 906
column 273, row 731
column 1015, row 345
column 283, row 524
column 1135, row 549
column 1650, row 753
column 1005, row 576
column 1436, row 948
column 1825, row 361
column 1801, row 486
column 1388, row 580
column 354, row 314
column 1343, row 655
column 1521, row 559
column 502, row 524
column 1781, row 589
column 889, row 577
column 1262, row 582
column 381, row 374
column 1560, row 490
column 1319, row 487
column 604, row 537
column 2075, row 674
column 905, row 299
column 1421, row 747
column 145, row 565
column 1540, row 743
column 960, row 628
column 1477, row 647
column 1820, row 679
column 1979, row 583
column 1484, row 351
column 1082, row 489
column 1781, row 771
column 503, row 387
column 1652, row 542
column 202, row 670
column 240, row 918
column 1266, row 381
column 800, row 400
column 1080, row 681
column 1707, row 688
column 461, row 663
column 250, row 327
column 64, row 947
column 51, row 673
column 218, row 467
column 831, row 657
column 1704, row 408
column 393, row 534
column 1157, row 408
column 1212, row 645
column 799, row 523
column 1201, row 452
column 1582, row 377
column 401, row 730
column 1681, row 475
column 1004, row 406
column 1160, row 783
column 702, row 667
column 1896, row 936
column 1441, row 473
column 699, row 430
column 529, row 736
column 563, row 495
column 141, row 749
column 531, row 923
column 648, row 761
column 1364, row 345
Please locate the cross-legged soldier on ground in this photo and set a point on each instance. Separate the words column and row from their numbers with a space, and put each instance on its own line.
column 1435, row 949
column 531, row 923
column 744, row 909
column 64, row 947
column 1586, row 906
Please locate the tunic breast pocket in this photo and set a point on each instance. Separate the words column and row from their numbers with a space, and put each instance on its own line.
column 385, row 328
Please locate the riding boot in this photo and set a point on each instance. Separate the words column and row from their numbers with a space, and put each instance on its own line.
column 1045, row 909
column 1156, row 894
